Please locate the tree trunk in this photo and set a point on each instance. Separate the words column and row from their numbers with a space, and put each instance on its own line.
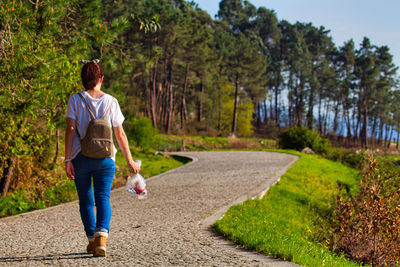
column 348, row 124
column 271, row 109
column 57, row 146
column 301, row 102
column 290, row 99
column 320, row 115
column 159, row 103
column 310, row 109
column 200, row 108
column 373, row 133
column 365, row 126
column 335, row 122
column 357, row 125
column 385, row 139
column 147, row 95
column 5, row 181
column 171, row 97
column 380, row 138
column 325, row 128
column 265, row 112
column 154, row 95
column 277, row 100
column 183, row 99
column 234, row 121
column 390, row 137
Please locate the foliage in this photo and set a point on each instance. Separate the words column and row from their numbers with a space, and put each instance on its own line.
column 37, row 72
column 148, row 25
column 366, row 227
column 41, row 197
column 171, row 62
column 142, row 132
column 207, row 143
column 356, row 160
column 285, row 223
column 245, row 113
column 300, row 137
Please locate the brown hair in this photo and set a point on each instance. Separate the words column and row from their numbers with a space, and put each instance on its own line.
column 91, row 74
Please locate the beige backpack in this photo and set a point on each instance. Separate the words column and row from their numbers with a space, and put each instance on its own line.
column 98, row 141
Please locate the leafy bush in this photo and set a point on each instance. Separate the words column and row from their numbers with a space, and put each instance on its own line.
column 39, row 197
column 354, row 160
column 350, row 159
column 300, row 137
column 142, row 132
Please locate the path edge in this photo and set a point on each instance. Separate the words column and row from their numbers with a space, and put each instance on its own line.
column 206, row 224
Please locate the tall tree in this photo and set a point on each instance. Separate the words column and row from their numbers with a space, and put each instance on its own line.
column 345, row 62
column 367, row 72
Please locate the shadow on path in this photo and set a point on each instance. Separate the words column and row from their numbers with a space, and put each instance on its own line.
column 65, row 256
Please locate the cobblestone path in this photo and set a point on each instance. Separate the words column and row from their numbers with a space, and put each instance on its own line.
column 166, row 229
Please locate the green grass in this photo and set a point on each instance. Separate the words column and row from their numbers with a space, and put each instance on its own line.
column 287, row 221
column 152, row 164
column 207, row 143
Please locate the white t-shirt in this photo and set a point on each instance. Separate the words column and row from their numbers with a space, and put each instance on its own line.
column 77, row 110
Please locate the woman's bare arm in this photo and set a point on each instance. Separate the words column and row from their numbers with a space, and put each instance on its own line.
column 123, row 144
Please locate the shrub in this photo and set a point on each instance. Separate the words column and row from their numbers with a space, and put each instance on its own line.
column 300, row 137
column 354, row 160
column 351, row 159
column 366, row 228
column 142, row 132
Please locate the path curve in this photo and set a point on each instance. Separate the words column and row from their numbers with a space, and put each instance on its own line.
column 167, row 229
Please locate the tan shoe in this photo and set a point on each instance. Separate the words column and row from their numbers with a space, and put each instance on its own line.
column 90, row 246
column 100, row 239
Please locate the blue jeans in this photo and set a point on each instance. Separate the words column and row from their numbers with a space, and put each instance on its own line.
column 102, row 171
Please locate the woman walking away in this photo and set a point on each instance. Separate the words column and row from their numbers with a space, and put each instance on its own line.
column 90, row 153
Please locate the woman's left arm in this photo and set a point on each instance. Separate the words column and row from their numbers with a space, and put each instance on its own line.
column 123, row 144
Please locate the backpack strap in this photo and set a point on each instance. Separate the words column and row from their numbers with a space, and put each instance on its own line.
column 87, row 107
column 108, row 109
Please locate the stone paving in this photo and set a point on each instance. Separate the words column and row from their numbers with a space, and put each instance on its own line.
column 169, row 228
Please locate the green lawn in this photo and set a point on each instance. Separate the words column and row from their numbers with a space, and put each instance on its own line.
column 152, row 164
column 286, row 223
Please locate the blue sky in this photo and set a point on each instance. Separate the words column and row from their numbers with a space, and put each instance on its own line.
column 378, row 20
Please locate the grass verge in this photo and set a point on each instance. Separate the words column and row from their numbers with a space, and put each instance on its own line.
column 207, row 143
column 152, row 164
column 286, row 223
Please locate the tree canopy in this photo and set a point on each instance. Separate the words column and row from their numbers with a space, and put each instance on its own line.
column 243, row 73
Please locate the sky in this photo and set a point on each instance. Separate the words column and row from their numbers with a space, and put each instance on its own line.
column 379, row 20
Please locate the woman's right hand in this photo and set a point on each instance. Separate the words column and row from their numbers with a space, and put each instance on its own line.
column 135, row 168
column 69, row 169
